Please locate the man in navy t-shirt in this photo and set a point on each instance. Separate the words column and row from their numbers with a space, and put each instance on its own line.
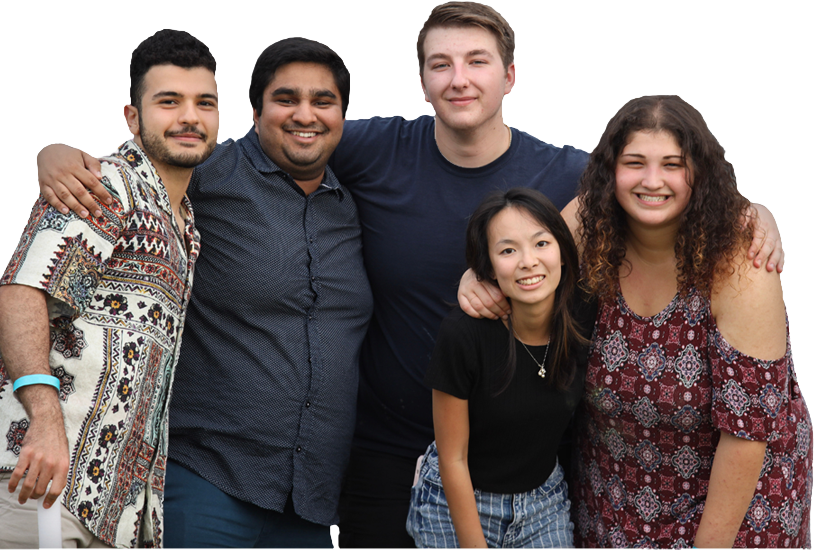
column 416, row 183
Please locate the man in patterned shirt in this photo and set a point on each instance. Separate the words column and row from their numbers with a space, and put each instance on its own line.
column 85, row 408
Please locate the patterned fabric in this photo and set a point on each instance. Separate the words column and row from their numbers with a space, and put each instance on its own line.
column 118, row 286
column 280, row 307
column 658, row 392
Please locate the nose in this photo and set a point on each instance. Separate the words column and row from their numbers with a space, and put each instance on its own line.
column 529, row 259
column 653, row 178
column 304, row 114
column 189, row 114
column 460, row 77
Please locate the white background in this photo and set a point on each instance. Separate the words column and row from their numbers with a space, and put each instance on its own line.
column 745, row 66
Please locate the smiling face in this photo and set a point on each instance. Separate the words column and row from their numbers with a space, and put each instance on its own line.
column 525, row 258
column 652, row 180
column 177, row 120
column 464, row 78
column 301, row 121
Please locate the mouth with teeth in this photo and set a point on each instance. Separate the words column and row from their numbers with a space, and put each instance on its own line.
column 303, row 134
column 531, row 280
column 653, row 198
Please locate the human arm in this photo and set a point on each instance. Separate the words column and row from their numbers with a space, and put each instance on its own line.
column 766, row 243
column 732, row 481
column 64, row 174
column 24, row 344
column 451, row 420
column 480, row 299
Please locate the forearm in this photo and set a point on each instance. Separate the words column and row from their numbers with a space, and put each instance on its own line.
column 732, row 482
column 24, row 345
column 461, row 499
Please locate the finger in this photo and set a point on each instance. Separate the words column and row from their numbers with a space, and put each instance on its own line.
column 92, row 164
column 17, row 475
column 27, row 486
column 41, row 486
column 52, row 198
column 68, row 198
column 758, row 242
column 57, row 486
column 482, row 310
column 775, row 258
column 499, row 300
column 467, row 308
column 781, row 262
column 79, row 189
column 764, row 253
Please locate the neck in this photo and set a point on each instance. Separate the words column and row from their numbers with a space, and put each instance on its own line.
column 310, row 185
column 532, row 323
column 473, row 148
column 652, row 245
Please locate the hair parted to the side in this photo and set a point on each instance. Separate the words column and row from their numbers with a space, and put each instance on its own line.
column 565, row 333
column 166, row 47
column 711, row 232
column 297, row 50
column 469, row 14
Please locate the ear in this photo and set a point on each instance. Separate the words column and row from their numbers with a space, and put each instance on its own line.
column 256, row 118
column 131, row 116
column 510, row 77
column 423, row 88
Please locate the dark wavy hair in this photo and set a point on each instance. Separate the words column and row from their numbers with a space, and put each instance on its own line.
column 297, row 50
column 710, row 232
column 166, row 47
column 565, row 335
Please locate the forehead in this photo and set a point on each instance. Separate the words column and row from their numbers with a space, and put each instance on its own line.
column 458, row 41
column 512, row 221
column 660, row 142
column 194, row 81
column 303, row 78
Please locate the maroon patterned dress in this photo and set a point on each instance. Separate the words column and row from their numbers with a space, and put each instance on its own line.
column 658, row 391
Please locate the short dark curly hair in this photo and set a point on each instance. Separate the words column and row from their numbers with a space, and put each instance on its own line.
column 166, row 47
column 711, row 231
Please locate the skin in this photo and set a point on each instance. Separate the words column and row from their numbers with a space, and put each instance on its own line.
column 519, row 249
column 301, row 121
column 177, row 126
column 465, row 80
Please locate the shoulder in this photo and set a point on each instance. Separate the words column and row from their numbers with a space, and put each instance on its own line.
column 379, row 132
column 748, row 309
column 567, row 155
column 460, row 327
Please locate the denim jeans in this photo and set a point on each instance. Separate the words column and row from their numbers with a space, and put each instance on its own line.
column 539, row 518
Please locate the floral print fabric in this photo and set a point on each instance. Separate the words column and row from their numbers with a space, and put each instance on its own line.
column 658, row 392
column 117, row 290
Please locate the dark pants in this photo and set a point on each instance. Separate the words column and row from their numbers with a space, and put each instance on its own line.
column 199, row 515
column 375, row 500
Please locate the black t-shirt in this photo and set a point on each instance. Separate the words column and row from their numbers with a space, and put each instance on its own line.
column 414, row 206
column 513, row 436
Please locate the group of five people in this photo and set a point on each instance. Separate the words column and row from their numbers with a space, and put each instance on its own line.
column 290, row 314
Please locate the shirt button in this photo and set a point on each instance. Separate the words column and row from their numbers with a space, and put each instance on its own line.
column 313, row 278
column 299, row 448
column 307, row 404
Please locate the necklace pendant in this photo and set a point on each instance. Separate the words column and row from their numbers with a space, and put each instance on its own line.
column 541, row 372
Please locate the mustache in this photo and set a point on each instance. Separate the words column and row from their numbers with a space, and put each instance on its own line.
column 187, row 130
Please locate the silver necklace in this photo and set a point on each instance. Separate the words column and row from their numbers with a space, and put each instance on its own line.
column 541, row 372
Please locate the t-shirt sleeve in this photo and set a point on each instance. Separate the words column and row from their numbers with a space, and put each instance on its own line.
column 749, row 396
column 66, row 255
column 453, row 364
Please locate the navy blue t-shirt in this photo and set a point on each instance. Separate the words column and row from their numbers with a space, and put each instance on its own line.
column 414, row 206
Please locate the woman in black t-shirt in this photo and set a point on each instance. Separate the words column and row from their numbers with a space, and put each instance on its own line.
column 504, row 391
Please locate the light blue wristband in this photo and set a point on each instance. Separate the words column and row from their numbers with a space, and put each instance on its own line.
column 30, row 379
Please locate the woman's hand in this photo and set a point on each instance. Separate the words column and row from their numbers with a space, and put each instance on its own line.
column 766, row 245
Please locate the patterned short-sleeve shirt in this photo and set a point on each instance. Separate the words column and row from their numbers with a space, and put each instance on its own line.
column 117, row 287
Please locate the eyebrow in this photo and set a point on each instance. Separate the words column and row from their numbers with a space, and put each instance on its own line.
column 639, row 155
column 314, row 92
column 540, row 233
column 470, row 53
column 176, row 94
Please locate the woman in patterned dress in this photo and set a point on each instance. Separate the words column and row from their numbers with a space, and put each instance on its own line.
column 694, row 431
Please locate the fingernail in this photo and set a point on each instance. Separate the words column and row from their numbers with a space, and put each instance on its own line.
column 64, row 211
column 97, row 213
column 771, row 266
column 83, row 214
column 109, row 200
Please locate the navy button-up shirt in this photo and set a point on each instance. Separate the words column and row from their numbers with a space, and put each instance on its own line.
column 265, row 389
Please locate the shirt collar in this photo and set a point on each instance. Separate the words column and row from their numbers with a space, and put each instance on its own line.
column 137, row 159
column 261, row 161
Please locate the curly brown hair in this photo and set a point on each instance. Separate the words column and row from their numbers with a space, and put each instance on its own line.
column 711, row 231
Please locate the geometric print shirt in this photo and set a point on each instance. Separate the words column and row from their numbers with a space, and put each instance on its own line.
column 117, row 287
